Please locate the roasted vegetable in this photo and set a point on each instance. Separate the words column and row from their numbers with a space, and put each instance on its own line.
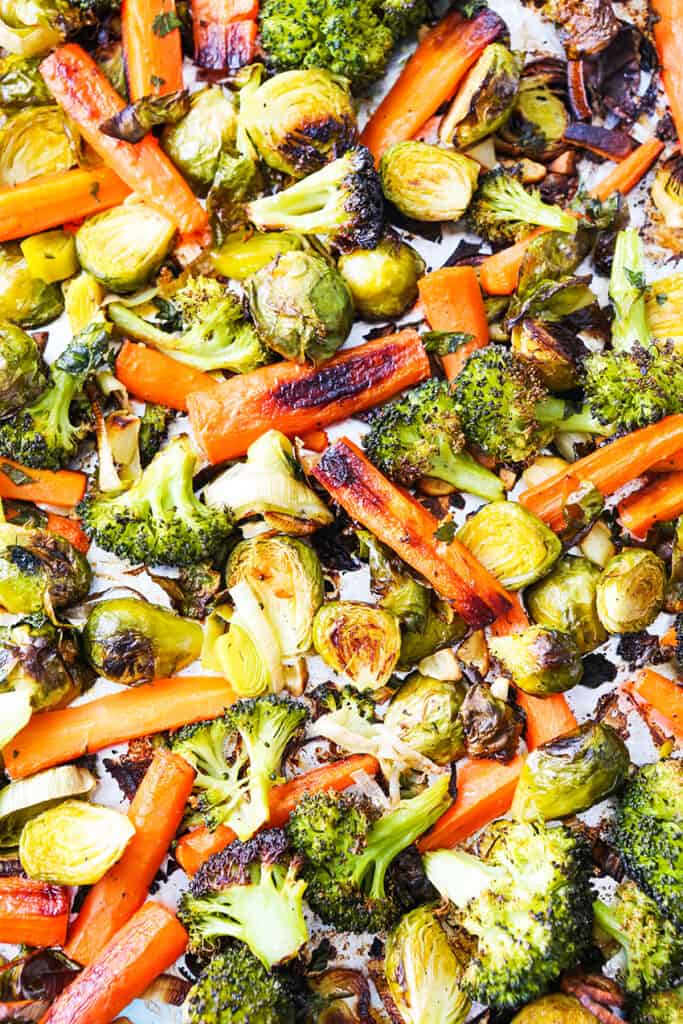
column 427, row 182
column 539, row 660
column 502, row 210
column 42, row 661
column 20, row 801
column 36, row 141
column 243, row 253
column 630, row 591
column 492, row 727
column 667, row 197
column 123, row 247
column 627, row 292
column 195, row 143
column 484, row 100
column 236, row 985
column 555, row 1009
column 661, row 1007
column 424, row 713
column 134, row 122
column 21, row 84
column 22, row 376
column 51, row 256
column 566, row 600
column 29, row 28
column 383, row 280
column 514, row 545
column 554, row 349
column 539, row 118
column 25, row 300
column 442, row 627
column 40, row 571
column 358, row 642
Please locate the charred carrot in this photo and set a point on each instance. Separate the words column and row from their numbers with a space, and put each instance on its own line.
column 629, row 171
column 665, row 695
column 197, row 846
column 63, row 488
column 155, row 377
column 409, row 529
column 69, row 528
column 669, row 42
column 451, row 300
column 315, row 440
column 224, row 32
column 430, row 77
column 513, row 620
column 156, row 813
column 295, row 398
column 36, row 913
column 152, row 48
column 669, row 639
column 55, row 737
column 81, row 89
column 657, row 503
column 146, row 946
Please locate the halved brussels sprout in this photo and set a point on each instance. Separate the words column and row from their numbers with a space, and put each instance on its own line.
column 555, row 1009
column 539, row 660
column 301, row 307
column 424, row 714
column 249, row 653
column 74, row 843
column 21, row 83
column 538, row 121
column 630, row 591
column 195, row 143
column 51, row 256
column 40, row 571
column 29, row 28
column 492, row 727
column 24, row 299
column 287, row 578
column 513, row 544
column 571, row 773
column 128, row 639
column 359, row 642
column 22, row 800
column 43, row 661
column 240, row 256
column 123, row 247
column 83, row 297
column 552, row 348
column 565, row 600
column 39, row 140
column 299, row 120
column 427, row 182
column 485, row 99
column 667, row 196
column 382, row 281
column 22, row 377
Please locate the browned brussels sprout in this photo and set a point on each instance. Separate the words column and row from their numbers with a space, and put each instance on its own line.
column 566, row 600
column 539, row 118
column 553, row 348
column 22, row 800
column 427, row 182
column 40, row 571
column 555, row 1009
column 195, row 143
column 424, row 714
column 492, row 727
column 630, row 591
column 382, row 281
column 513, row 544
column 22, row 377
column 21, row 83
column 242, row 253
column 36, row 141
column 485, row 99
column 134, row 122
column 392, row 582
column 24, row 299
column 359, row 642
column 44, row 661
column 539, row 660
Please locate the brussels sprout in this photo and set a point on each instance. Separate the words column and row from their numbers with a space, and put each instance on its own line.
column 360, row 643
column 22, row 377
column 630, row 591
column 127, row 639
column 299, row 120
column 249, row 653
column 382, row 281
column 565, row 600
column 51, row 256
column 123, row 247
column 539, row 660
column 287, row 578
column 301, row 307
column 537, row 123
column 40, row 571
column 195, row 143
column 390, row 580
column 667, row 194
column 43, row 661
column 426, row 182
column 441, row 628
column 24, row 799
column 571, row 773
column 423, row 971
column 492, row 727
column 239, row 257
column 25, row 300
column 83, row 297
column 29, row 28
column 39, row 140
column 424, row 714
column 552, row 348
column 485, row 99
column 74, row 843
column 134, row 121
column 21, row 83
column 555, row 1009
column 513, row 544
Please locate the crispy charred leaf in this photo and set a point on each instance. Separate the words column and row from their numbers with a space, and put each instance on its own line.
column 465, row 254
column 407, row 881
column 641, row 649
column 336, row 545
column 614, row 77
column 128, row 769
column 237, row 180
column 577, row 88
column 552, row 255
column 193, row 591
column 585, row 26
column 40, row 975
column 559, row 188
column 134, row 122
column 492, row 727
column 609, row 143
column 597, row 670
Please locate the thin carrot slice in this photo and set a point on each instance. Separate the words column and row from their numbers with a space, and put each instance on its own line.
column 152, row 47
column 499, row 273
column 315, row 440
column 657, row 503
column 70, row 529
column 629, row 171
column 451, row 299
column 64, row 488
column 36, row 913
column 668, row 33
column 665, row 695
column 155, row 377
column 224, row 32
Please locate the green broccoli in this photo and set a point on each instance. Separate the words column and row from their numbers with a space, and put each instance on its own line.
column 627, row 390
column 627, row 292
column 342, row 201
column 525, row 901
column 154, row 424
column 502, row 210
column 201, row 323
column 661, row 1008
column 404, row 17
column 505, row 409
column 236, row 988
column 419, row 435
column 347, row 856
column 42, row 434
column 237, row 758
column 327, row 698
column 649, row 834
column 159, row 520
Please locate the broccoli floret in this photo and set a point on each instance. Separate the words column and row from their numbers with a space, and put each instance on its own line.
column 342, row 201
column 237, row 758
column 627, row 390
column 404, row 16
column 347, row 855
column 502, row 210
column 154, row 424
column 43, row 434
column 649, row 834
column 100, row 8
column 327, row 698
column 526, row 901
column 237, row 989
column 159, row 520
column 661, row 1008
column 250, row 892
column 506, row 411
column 627, row 292
column 419, row 435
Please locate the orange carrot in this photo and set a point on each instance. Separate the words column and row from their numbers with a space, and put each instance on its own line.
column 152, row 48
column 315, row 440
column 657, row 503
column 628, row 171
column 53, row 199
column 512, row 621
column 36, row 913
column 664, row 695
column 156, row 813
column 295, row 398
column 431, row 76
column 499, row 273
column 81, row 89
column 674, row 462
column 22, row 1010
column 224, row 32
column 669, row 638
column 451, row 299
column 69, row 528
column 198, row 845
column 142, row 950
column 64, row 488
column 668, row 32
column 408, row 528
column 54, row 737
column 155, row 377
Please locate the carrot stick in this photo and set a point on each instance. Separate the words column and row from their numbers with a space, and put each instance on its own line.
column 315, row 440
column 674, row 462
column 430, row 77
column 81, row 89
column 451, row 299
column 664, row 695
column 669, row 639
column 63, row 488
column 156, row 813
column 155, row 377
column 668, row 32
column 71, row 529
column 197, row 846
column 36, row 913
column 55, row 199
column 224, row 32
column 513, row 620
column 408, row 529
column 295, row 398
column 54, row 737
column 142, row 950
column 628, row 171
column 657, row 503
column 499, row 273
column 152, row 54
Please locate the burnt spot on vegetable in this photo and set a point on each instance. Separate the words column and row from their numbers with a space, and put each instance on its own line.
column 339, row 381
column 317, row 141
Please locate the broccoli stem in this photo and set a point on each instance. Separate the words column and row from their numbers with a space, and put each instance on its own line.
column 514, row 203
column 608, row 923
column 557, row 412
column 458, row 876
column 627, row 292
column 466, row 474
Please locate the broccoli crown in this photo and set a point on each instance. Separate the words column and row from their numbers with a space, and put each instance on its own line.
column 159, row 520
column 343, row 201
column 328, row 698
column 100, row 8
column 649, row 834
column 502, row 209
column 404, row 16
column 154, row 424
column 631, row 389
column 661, row 1008
column 249, row 892
column 236, row 988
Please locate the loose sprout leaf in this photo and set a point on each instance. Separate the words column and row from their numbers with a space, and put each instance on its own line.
column 165, row 23
column 16, row 475
column 442, row 343
column 446, row 531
